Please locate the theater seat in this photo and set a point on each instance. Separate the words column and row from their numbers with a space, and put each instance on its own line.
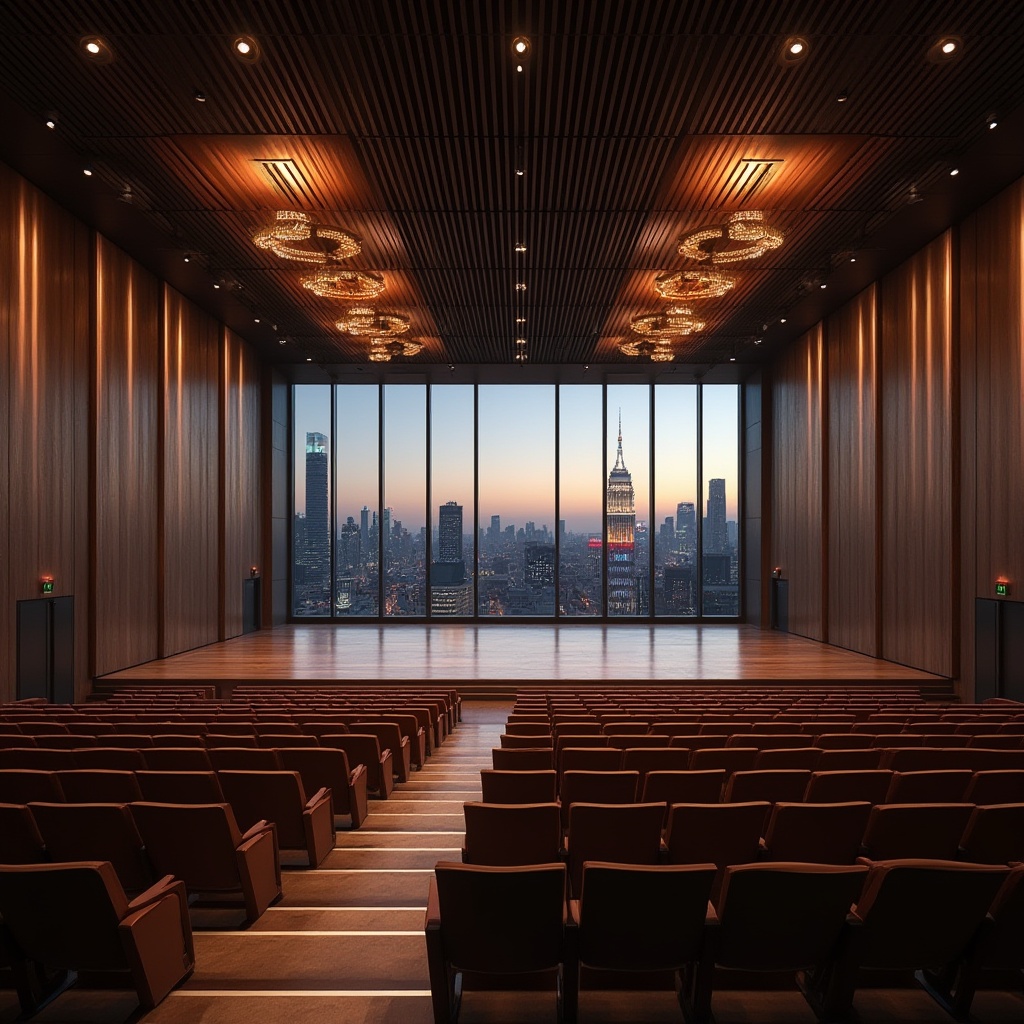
column 512, row 834
column 994, row 835
column 23, row 785
column 620, row 833
column 529, row 759
column 328, row 767
column 76, row 917
column 684, row 787
column 504, row 787
column 931, row 831
column 496, row 920
column 20, row 841
column 596, row 788
column 770, row 785
column 818, row 833
column 99, row 785
column 181, row 787
column 365, row 749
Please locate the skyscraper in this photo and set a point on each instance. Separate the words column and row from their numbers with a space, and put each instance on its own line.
column 318, row 537
column 619, row 502
column 449, row 533
column 686, row 527
column 717, row 540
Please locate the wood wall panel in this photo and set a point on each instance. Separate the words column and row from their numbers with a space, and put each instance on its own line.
column 191, row 506
column 242, row 543
column 47, row 344
column 992, row 416
column 8, row 206
column 126, row 460
column 853, row 465
column 797, row 508
column 917, row 422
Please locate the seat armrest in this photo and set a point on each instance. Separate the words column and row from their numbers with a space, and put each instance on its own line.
column 322, row 794
column 261, row 826
column 432, row 922
column 156, row 892
column 360, row 769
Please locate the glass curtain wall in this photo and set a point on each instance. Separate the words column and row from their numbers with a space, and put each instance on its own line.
column 616, row 501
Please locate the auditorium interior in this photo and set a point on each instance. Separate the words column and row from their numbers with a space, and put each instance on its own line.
column 469, row 412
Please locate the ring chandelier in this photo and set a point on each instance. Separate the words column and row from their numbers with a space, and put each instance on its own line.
column 693, row 285
column 294, row 236
column 744, row 236
column 658, row 351
column 674, row 322
column 346, row 285
column 364, row 322
column 382, row 350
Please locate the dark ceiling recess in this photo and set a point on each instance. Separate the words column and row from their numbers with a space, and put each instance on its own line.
column 405, row 121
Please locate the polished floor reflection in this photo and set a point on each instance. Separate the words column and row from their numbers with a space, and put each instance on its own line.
column 527, row 654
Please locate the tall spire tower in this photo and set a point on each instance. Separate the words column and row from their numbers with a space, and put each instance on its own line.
column 621, row 538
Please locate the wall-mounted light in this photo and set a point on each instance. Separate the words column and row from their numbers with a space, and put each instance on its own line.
column 46, row 584
column 254, row 571
column 1003, row 588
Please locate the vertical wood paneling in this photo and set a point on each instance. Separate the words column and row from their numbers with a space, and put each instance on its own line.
column 852, row 491
column 242, row 511
column 992, row 415
column 190, row 488
column 46, row 338
column 126, row 465
column 797, row 512
column 917, row 584
column 7, row 277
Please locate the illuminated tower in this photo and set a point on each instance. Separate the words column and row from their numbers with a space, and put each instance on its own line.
column 449, row 532
column 621, row 539
column 318, row 537
column 717, row 540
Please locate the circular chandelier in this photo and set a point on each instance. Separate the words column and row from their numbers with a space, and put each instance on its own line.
column 659, row 351
column 744, row 236
column 294, row 236
column 688, row 285
column 347, row 285
column 383, row 351
column 675, row 321
column 363, row 321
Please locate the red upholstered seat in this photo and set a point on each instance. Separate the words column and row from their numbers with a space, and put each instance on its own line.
column 512, row 834
column 819, row 833
column 513, row 787
column 994, row 834
column 929, row 831
column 99, row 785
column 20, row 840
column 365, row 749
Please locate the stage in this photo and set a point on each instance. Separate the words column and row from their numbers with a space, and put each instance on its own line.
column 495, row 659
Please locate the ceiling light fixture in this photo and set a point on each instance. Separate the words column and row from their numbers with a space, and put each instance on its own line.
column 794, row 50
column 673, row 323
column 521, row 47
column 842, row 97
column 688, row 285
column 51, row 122
column 383, row 351
column 366, row 322
column 945, row 49
column 97, row 49
column 346, row 285
column 954, row 171
column 520, row 286
column 520, row 247
column 993, row 124
column 658, row 351
column 199, row 96
column 746, row 227
column 245, row 48
column 87, row 171
column 294, row 236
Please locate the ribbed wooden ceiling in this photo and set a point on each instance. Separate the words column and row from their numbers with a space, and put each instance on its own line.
column 404, row 121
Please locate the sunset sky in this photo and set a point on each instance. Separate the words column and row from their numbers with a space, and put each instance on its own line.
column 517, row 451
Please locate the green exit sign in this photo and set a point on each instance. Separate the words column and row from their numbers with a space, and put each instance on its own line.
column 47, row 586
column 1002, row 588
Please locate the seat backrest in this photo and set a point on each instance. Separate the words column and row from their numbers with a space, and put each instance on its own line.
column 181, row 787
column 85, row 897
column 361, row 748
column 768, row 741
column 23, row 785
column 177, row 740
column 864, row 759
column 81, row 832
column 783, row 916
column 929, row 831
column 996, row 786
column 277, row 796
column 870, row 784
column 816, row 832
column 525, row 908
column 788, row 757
column 589, row 759
column 234, row 740
column 652, row 759
column 683, row 787
column 509, row 834
column 281, row 741
column 994, row 835
column 99, row 785
column 529, row 759
column 515, row 742
column 623, row 833
column 767, row 784
column 732, row 759
column 321, row 767
column 45, row 759
column 937, row 786
column 20, row 841
column 920, row 913
column 716, row 833
column 193, row 842
column 116, row 758
column 643, row 917
column 244, row 759
column 178, row 759
column 614, row 787
column 505, row 787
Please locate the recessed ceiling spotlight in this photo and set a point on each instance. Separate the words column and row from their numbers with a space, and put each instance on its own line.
column 732, row 359
column 782, row 319
column 944, row 49
column 199, row 96
column 216, row 285
column 519, row 172
column 87, row 171
column 282, row 341
column 520, row 319
column 822, row 286
column 520, row 286
column 521, row 47
column 309, row 359
column 520, row 247
column 954, row 171
column 51, row 121
column 97, row 49
column 255, row 319
column 853, row 259
column 187, row 259
column 519, row 68
column 794, row 50
column 246, row 48
column 842, row 97
column 993, row 124
column 757, row 341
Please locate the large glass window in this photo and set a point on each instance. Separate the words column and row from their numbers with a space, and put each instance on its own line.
column 516, row 472
column 452, row 504
column 580, row 499
column 609, row 501
column 720, row 549
column 357, row 485
column 676, row 492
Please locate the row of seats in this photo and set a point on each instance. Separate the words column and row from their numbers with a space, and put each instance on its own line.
column 874, row 786
column 950, row 731
column 957, row 921
column 739, row 833
column 316, row 771
column 202, row 845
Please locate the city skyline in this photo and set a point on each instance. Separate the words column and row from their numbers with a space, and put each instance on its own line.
column 516, row 474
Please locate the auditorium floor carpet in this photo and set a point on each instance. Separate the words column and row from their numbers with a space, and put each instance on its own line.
column 346, row 942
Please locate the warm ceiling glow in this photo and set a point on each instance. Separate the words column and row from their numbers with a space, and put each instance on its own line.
column 521, row 46
column 97, row 49
column 688, row 285
column 346, row 285
column 794, row 50
column 753, row 237
column 946, row 48
column 293, row 235
column 246, row 48
column 366, row 322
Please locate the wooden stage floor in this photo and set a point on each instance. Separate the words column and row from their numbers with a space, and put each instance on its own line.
column 524, row 654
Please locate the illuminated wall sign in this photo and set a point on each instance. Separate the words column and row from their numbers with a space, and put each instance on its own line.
column 1002, row 588
column 46, row 584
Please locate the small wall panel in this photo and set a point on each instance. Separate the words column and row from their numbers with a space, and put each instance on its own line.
column 917, row 585
column 126, row 461
column 797, row 507
column 853, row 465
column 191, row 439
column 242, row 506
column 47, row 344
